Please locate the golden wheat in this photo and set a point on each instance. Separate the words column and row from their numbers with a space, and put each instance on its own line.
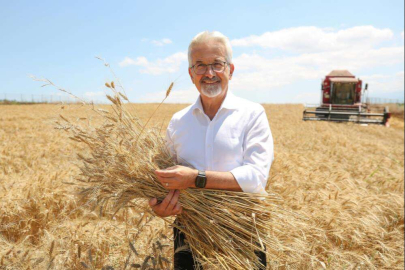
column 347, row 179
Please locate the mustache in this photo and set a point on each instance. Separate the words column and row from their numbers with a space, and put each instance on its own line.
column 213, row 79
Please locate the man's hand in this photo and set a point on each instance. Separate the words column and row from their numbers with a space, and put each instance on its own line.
column 169, row 206
column 177, row 177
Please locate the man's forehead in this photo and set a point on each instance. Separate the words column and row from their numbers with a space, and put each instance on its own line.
column 208, row 51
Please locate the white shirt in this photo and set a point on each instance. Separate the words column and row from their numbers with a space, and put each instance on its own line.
column 237, row 140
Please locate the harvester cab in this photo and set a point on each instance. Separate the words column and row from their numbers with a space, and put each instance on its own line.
column 342, row 101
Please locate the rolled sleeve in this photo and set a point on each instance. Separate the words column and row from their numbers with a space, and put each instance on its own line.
column 258, row 156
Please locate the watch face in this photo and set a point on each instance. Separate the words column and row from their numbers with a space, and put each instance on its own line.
column 201, row 181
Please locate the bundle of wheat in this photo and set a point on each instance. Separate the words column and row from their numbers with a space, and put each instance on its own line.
column 223, row 228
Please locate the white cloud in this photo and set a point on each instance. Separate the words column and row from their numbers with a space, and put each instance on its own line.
column 317, row 52
column 139, row 61
column 162, row 42
column 315, row 39
column 176, row 96
column 255, row 72
column 303, row 55
column 170, row 64
column 380, row 85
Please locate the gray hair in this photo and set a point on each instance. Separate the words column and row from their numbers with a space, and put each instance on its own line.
column 205, row 36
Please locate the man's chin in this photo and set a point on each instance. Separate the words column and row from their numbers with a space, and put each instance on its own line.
column 211, row 91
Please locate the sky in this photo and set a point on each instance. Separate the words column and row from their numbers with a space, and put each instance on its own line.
column 281, row 49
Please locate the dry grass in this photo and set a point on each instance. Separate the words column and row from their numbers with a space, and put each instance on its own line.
column 347, row 179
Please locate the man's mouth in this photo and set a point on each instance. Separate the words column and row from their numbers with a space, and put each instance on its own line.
column 210, row 82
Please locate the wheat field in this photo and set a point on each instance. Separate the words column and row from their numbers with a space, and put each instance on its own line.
column 347, row 181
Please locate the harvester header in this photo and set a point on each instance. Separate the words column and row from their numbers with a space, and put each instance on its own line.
column 342, row 100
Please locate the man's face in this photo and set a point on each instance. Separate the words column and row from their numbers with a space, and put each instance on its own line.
column 211, row 83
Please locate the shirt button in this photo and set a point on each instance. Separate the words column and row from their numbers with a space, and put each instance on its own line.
column 209, row 146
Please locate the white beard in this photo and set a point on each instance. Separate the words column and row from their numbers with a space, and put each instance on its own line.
column 211, row 90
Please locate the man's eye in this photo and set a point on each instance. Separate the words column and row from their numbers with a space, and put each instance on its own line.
column 201, row 65
column 218, row 65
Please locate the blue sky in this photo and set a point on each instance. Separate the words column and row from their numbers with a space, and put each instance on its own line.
column 281, row 49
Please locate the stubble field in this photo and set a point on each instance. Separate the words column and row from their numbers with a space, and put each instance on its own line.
column 346, row 180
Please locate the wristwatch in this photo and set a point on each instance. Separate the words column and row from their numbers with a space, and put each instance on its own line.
column 201, row 179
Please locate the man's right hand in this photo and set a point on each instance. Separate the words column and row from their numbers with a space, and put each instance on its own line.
column 169, row 206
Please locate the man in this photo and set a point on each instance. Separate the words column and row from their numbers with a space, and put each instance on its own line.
column 225, row 138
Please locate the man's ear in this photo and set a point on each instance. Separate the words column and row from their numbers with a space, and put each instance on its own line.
column 191, row 75
column 232, row 69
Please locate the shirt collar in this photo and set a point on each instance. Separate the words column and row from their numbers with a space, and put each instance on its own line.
column 229, row 103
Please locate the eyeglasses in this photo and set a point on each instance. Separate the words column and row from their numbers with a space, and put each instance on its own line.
column 200, row 69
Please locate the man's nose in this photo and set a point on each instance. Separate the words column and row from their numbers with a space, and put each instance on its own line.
column 209, row 72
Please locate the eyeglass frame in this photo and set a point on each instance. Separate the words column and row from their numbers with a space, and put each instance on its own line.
column 224, row 62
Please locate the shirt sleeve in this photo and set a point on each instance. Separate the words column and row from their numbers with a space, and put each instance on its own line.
column 258, row 155
column 169, row 141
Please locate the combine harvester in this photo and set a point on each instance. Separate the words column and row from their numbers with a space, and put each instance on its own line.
column 342, row 101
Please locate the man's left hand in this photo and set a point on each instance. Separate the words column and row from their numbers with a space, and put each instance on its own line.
column 177, row 177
